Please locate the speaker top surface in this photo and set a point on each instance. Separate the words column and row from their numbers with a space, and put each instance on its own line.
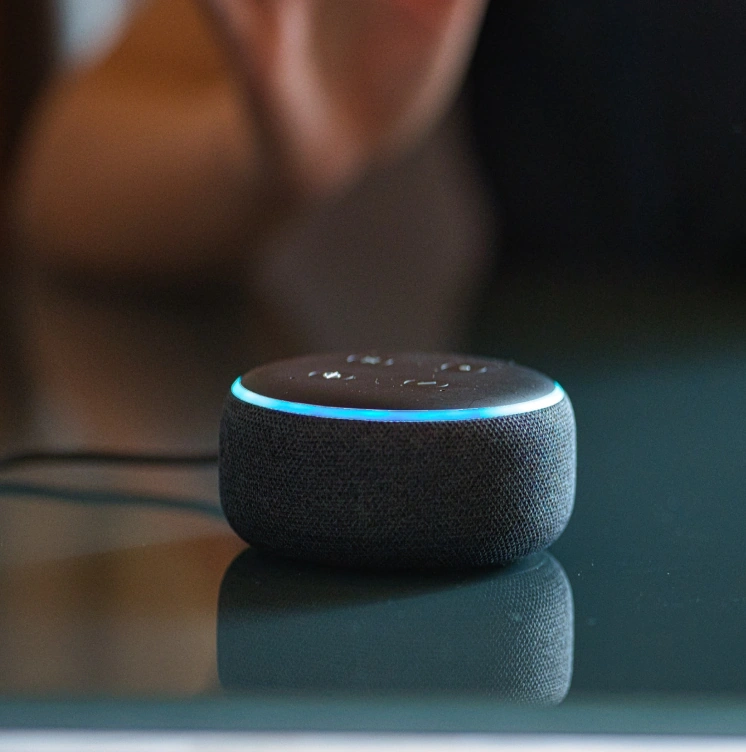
column 415, row 382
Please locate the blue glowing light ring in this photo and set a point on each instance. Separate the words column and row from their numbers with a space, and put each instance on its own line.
column 240, row 392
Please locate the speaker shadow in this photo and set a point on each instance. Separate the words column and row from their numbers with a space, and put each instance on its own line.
column 293, row 628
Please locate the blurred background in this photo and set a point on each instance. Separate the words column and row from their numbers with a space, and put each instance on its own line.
column 577, row 195
column 390, row 261
column 39, row 40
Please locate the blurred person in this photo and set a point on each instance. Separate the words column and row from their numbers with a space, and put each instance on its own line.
column 235, row 181
column 612, row 133
column 307, row 154
column 218, row 139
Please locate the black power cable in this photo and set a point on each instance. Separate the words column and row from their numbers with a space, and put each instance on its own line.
column 103, row 457
column 103, row 497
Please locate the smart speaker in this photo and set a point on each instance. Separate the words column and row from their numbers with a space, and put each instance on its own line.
column 397, row 461
column 288, row 627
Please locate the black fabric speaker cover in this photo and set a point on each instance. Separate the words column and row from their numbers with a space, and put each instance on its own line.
column 373, row 493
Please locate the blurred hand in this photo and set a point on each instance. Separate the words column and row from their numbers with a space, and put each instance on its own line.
column 334, row 86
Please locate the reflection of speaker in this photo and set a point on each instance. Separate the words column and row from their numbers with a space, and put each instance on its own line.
column 421, row 461
column 288, row 627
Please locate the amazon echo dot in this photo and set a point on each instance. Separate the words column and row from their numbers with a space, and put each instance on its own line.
column 399, row 461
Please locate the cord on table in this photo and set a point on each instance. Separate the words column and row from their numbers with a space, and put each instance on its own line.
column 103, row 457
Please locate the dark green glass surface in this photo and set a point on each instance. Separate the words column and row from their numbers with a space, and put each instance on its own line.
column 172, row 624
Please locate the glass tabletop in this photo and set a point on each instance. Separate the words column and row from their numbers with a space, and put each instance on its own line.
column 127, row 602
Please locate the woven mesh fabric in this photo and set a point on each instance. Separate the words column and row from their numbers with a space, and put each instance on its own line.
column 398, row 495
column 505, row 634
